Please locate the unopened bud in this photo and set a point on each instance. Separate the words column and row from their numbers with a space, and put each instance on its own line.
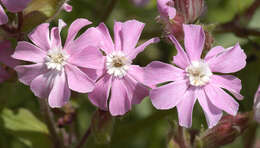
column 228, row 129
column 174, row 13
column 67, row 7
column 170, row 18
column 190, row 9
column 68, row 117
column 102, row 126
column 178, row 137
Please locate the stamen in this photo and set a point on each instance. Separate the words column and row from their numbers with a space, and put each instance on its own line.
column 56, row 59
column 199, row 73
column 117, row 64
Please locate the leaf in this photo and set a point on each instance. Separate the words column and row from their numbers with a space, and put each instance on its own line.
column 23, row 120
column 47, row 7
column 38, row 11
column 26, row 128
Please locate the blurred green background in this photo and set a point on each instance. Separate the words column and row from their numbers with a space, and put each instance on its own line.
column 21, row 125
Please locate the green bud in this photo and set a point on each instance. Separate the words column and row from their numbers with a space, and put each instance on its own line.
column 102, row 126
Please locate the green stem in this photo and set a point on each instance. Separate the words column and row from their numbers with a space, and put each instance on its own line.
column 60, row 8
column 84, row 138
column 109, row 10
column 48, row 117
column 249, row 136
column 180, row 138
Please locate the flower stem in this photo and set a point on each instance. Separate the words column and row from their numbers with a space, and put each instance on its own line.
column 84, row 138
column 20, row 21
column 109, row 10
column 180, row 138
column 48, row 117
column 58, row 11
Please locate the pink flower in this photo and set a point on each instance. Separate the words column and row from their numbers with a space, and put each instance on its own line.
column 12, row 6
column 67, row 7
column 58, row 69
column 5, row 58
column 195, row 78
column 257, row 105
column 121, row 80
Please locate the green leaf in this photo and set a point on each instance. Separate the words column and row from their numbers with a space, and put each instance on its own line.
column 39, row 11
column 23, row 120
column 26, row 127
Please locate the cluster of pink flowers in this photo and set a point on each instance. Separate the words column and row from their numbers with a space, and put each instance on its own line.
column 95, row 63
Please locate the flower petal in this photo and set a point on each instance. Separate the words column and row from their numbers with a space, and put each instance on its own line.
column 75, row 28
column 221, row 99
column 157, row 72
column 93, row 74
column 99, row 96
column 185, row 108
column 78, row 80
column 26, row 73
column 135, row 90
column 228, row 82
column 119, row 102
column 3, row 16
column 212, row 113
column 89, row 57
column 169, row 95
column 106, row 44
column 42, row 85
column 167, row 11
column 229, row 61
column 140, row 48
column 60, row 92
column 40, row 36
column 118, row 35
column 28, row 52
column 257, row 105
column 131, row 32
column 15, row 5
column 214, row 52
column 55, row 35
column 194, row 40
column 181, row 59
column 257, row 97
column 91, row 37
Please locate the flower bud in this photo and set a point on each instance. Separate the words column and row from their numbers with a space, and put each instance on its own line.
column 174, row 13
column 190, row 9
column 228, row 129
column 102, row 126
column 67, row 7
column 257, row 105
column 171, row 19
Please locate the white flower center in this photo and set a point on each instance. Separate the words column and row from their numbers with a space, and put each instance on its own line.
column 56, row 59
column 199, row 73
column 117, row 64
